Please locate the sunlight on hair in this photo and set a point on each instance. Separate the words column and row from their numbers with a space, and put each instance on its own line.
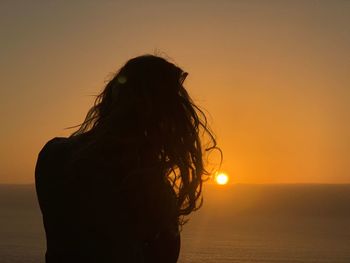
column 221, row 178
column 121, row 79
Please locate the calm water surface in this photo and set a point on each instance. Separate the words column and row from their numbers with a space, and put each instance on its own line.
column 239, row 223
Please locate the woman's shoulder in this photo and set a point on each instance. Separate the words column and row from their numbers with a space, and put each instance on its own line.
column 50, row 151
column 53, row 143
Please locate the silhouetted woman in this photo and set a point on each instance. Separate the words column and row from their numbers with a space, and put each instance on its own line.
column 118, row 188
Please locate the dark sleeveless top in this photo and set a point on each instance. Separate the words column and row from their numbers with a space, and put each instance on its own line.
column 91, row 215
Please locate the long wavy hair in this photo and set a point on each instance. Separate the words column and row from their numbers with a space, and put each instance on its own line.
column 145, row 110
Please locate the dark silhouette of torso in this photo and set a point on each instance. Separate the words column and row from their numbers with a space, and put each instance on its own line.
column 93, row 212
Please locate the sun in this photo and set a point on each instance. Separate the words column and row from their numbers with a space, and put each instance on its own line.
column 221, row 178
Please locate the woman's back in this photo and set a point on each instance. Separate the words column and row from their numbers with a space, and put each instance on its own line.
column 94, row 214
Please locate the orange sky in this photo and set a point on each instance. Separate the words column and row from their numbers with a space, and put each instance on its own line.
column 274, row 77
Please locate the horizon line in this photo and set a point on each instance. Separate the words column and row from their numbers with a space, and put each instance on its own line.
column 213, row 183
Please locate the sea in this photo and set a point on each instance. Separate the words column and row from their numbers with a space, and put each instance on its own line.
column 237, row 223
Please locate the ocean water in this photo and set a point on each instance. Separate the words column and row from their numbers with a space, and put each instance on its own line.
column 237, row 223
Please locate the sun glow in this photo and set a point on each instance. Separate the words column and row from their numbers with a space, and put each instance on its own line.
column 221, row 178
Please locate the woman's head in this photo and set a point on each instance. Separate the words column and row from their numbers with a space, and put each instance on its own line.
column 146, row 108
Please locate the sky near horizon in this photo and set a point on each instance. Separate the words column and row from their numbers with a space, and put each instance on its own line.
column 274, row 76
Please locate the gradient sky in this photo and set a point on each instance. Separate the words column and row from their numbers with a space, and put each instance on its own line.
column 274, row 76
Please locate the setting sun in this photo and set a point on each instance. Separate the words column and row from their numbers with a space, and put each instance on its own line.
column 221, row 178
